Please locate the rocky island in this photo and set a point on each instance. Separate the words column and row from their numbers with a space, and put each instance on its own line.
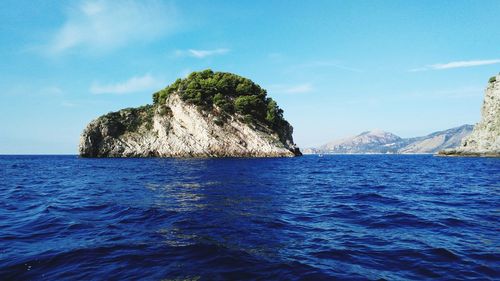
column 485, row 137
column 207, row 114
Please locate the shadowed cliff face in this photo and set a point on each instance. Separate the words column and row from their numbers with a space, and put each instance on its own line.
column 485, row 138
column 177, row 128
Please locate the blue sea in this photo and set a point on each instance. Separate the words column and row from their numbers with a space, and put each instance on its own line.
column 337, row 217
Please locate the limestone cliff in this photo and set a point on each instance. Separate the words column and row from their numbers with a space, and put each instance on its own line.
column 179, row 126
column 485, row 138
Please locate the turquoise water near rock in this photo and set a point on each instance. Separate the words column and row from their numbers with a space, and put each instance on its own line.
column 349, row 217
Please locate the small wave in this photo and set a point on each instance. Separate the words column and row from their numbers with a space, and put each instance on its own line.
column 400, row 219
column 337, row 254
column 376, row 197
column 454, row 222
column 443, row 254
column 272, row 224
column 492, row 271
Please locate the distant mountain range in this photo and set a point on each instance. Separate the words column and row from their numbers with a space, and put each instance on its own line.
column 378, row 141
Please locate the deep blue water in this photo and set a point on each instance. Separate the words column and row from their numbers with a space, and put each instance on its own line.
column 306, row 218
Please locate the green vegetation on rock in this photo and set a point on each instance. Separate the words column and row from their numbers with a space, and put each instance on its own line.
column 492, row 79
column 129, row 119
column 228, row 94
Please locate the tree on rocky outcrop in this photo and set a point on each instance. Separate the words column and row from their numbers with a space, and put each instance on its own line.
column 228, row 92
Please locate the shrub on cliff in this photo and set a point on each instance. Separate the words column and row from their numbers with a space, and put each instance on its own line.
column 223, row 103
column 492, row 79
column 251, row 105
column 228, row 92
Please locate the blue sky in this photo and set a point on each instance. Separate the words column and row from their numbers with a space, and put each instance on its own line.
column 337, row 68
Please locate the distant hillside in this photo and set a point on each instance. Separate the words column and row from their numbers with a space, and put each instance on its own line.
column 367, row 142
column 437, row 141
column 384, row 142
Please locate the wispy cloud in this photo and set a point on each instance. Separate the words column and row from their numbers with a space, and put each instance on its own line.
column 102, row 25
column 456, row 64
column 291, row 89
column 132, row 85
column 200, row 54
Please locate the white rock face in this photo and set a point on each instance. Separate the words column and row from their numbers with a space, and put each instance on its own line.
column 485, row 138
column 179, row 129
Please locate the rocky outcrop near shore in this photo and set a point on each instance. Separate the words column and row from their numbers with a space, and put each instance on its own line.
column 179, row 124
column 485, row 138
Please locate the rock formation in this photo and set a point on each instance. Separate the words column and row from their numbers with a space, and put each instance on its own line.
column 205, row 115
column 485, row 138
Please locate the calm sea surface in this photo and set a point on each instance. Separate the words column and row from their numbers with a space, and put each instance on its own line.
column 307, row 218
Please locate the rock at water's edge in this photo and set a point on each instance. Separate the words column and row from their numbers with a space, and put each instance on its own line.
column 176, row 127
column 485, row 138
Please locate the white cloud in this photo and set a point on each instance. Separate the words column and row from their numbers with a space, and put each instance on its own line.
column 132, row 85
column 102, row 25
column 200, row 54
column 291, row 89
column 456, row 64
column 459, row 64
